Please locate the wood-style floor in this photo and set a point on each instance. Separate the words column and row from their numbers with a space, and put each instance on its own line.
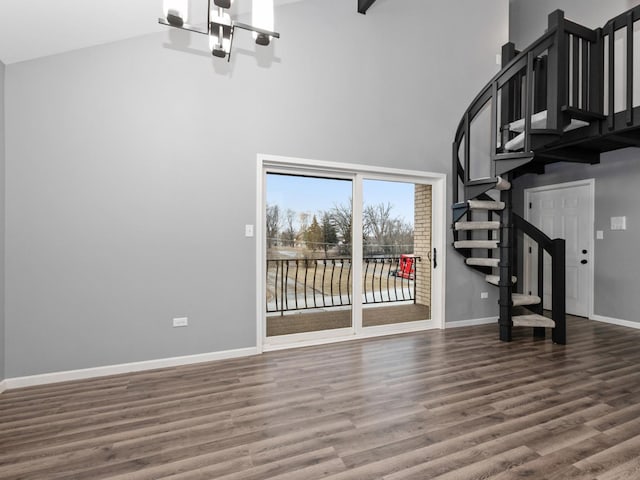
column 454, row 404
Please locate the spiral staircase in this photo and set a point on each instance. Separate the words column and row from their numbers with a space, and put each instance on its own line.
column 555, row 101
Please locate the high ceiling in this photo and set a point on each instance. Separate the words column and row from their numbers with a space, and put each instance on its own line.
column 38, row 28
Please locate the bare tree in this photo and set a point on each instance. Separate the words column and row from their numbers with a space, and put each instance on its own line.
column 377, row 221
column 402, row 237
column 273, row 224
column 385, row 232
column 289, row 234
column 342, row 219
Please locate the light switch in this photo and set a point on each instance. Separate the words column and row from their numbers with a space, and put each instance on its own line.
column 618, row 223
column 599, row 235
column 248, row 230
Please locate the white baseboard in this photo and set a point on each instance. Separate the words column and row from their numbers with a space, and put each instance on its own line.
column 472, row 322
column 615, row 321
column 3, row 386
column 55, row 377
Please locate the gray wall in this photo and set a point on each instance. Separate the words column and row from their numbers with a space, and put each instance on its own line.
column 616, row 177
column 528, row 19
column 2, row 214
column 131, row 167
column 616, row 194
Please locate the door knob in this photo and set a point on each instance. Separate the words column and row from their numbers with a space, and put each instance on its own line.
column 583, row 262
column 584, row 252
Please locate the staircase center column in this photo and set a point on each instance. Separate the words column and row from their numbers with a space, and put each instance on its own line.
column 506, row 267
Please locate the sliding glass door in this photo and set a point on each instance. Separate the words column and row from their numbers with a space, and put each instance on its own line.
column 316, row 224
column 309, row 254
column 396, row 275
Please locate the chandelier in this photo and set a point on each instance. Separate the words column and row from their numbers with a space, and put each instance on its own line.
column 220, row 26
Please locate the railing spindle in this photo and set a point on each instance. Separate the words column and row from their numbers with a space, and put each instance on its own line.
column 528, row 105
column 380, row 280
column 285, row 287
column 306, row 295
column 467, row 147
column 576, row 71
column 586, row 54
column 324, row 272
column 494, row 126
column 364, row 280
column 349, row 282
column 395, row 280
column 629, row 114
column 373, row 281
column 340, row 281
column 333, row 269
column 541, row 277
column 415, row 279
column 388, row 278
column 315, row 273
column 596, row 74
column 454, row 170
column 612, row 96
column 295, row 284
column 276, row 287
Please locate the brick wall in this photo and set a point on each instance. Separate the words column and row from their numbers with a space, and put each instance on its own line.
column 422, row 243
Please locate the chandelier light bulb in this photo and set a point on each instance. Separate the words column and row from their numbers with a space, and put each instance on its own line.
column 262, row 17
column 220, row 32
column 176, row 11
column 223, row 3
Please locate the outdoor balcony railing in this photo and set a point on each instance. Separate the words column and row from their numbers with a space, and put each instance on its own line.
column 303, row 284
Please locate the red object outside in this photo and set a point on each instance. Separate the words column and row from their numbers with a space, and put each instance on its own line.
column 407, row 266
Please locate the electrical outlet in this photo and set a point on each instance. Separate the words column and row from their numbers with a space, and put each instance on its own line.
column 618, row 223
column 484, row 295
column 181, row 322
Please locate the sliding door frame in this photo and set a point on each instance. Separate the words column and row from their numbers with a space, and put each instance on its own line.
column 356, row 173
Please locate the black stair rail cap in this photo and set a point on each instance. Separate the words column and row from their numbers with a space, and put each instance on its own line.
column 364, row 5
column 474, row 188
column 459, row 211
column 506, row 163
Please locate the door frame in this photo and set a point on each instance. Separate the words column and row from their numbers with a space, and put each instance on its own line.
column 591, row 184
column 275, row 163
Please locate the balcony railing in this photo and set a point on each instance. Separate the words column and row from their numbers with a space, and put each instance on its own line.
column 303, row 284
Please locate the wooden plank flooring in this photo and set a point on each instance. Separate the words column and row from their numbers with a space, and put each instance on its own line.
column 454, row 404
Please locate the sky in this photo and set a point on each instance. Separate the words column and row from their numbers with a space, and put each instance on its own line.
column 311, row 195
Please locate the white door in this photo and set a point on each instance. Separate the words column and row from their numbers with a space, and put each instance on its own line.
column 564, row 211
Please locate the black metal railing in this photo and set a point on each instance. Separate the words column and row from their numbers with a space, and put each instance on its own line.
column 561, row 73
column 623, row 24
column 556, row 249
column 563, row 76
column 304, row 284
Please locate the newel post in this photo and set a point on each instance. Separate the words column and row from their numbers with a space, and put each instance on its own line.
column 558, row 292
column 558, row 73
